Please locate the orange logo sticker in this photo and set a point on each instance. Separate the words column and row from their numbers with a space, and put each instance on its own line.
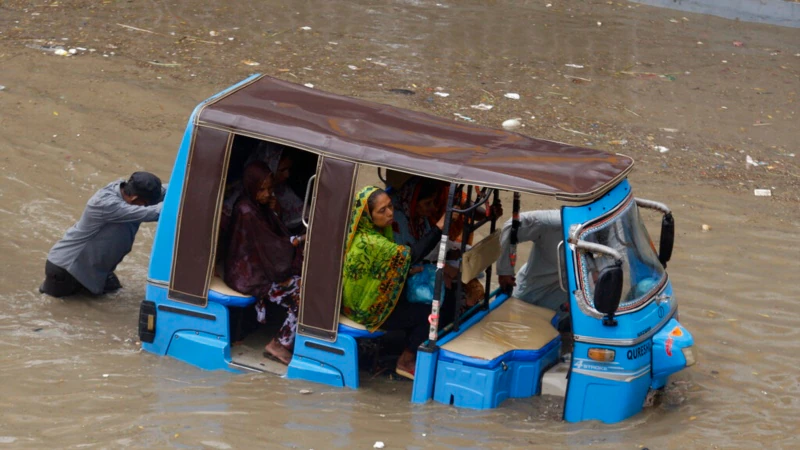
column 676, row 332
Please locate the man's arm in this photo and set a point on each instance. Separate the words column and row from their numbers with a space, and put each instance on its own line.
column 116, row 210
column 531, row 225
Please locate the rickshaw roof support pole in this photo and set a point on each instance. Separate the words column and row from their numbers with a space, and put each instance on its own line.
column 513, row 237
column 438, row 290
column 492, row 228
column 469, row 216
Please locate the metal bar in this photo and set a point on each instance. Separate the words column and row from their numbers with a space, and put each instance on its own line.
column 459, row 290
column 380, row 176
column 477, row 204
column 480, row 223
column 598, row 248
column 513, row 239
column 650, row 204
column 559, row 250
column 305, row 200
column 433, row 319
column 492, row 228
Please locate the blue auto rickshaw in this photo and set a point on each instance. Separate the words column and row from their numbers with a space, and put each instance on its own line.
column 623, row 314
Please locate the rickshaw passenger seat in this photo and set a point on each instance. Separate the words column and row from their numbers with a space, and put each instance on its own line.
column 352, row 328
column 219, row 292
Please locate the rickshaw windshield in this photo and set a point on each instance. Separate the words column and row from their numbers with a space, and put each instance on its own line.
column 624, row 232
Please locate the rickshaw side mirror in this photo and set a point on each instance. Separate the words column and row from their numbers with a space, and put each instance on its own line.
column 667, row 239
column 608, row 292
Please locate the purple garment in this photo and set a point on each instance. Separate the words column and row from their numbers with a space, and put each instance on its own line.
column 260, row 252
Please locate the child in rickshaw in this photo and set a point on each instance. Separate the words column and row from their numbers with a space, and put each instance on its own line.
column 263, row 260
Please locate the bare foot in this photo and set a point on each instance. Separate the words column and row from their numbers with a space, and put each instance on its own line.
column 278, row 351
column 407, row 361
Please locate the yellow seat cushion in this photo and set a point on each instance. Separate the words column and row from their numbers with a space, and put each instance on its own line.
column 514, row 325
column 343, row 320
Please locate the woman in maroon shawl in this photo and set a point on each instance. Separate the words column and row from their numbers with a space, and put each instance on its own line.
column 263, row 259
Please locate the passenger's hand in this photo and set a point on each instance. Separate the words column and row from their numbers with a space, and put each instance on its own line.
column 440, row 223
column 507, row 282
column 497, row 210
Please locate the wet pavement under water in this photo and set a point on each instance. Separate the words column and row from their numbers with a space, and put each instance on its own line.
column 72, row 373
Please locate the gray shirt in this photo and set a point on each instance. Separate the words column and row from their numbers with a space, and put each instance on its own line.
column 92, row 248
column 537, row 280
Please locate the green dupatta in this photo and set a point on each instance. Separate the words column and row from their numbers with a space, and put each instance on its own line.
column 375, row 268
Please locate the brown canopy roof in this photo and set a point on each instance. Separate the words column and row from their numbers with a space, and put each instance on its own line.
column 409, row 141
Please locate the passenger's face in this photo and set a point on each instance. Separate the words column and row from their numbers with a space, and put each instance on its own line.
column 265, row 191
column 382, row 211
column 426, row 207
column 284, row 170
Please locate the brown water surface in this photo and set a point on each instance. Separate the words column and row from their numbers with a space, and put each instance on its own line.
column 72, row 374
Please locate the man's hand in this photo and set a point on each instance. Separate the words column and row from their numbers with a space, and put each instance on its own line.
column 507, row 283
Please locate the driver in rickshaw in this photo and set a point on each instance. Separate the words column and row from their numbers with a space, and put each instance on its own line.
column 537, row 282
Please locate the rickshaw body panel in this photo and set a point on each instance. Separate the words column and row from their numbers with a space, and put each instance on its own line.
column 193, row 334
column 613, row 391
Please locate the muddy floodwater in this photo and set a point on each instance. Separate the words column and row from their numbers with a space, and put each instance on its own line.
column 689, row 96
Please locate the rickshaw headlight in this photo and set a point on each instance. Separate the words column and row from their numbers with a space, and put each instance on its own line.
column 601, row 354
column 688, row 353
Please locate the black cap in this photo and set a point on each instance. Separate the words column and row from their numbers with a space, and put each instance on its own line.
column 147, row 186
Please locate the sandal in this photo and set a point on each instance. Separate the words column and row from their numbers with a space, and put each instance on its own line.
column 405, row 373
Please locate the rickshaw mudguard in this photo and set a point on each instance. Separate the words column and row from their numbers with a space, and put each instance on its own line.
column 615, row 390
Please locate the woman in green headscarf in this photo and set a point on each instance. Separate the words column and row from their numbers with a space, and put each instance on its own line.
column 375, row 270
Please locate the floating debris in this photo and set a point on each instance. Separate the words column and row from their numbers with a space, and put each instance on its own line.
column 661, row 149
column 352, row 67
column 762, row 193
column 512, row 96
column 461, row 116
column 306, row 391
column 512, row 124
column 574, row 66
column 213, row 33
column 250, row 62
column 706, row 227
column 482, row 107
column 442, row 94
column 159, row 63
column 402, row 91
column 309, row 85
column 378, row 444
column 305, row 28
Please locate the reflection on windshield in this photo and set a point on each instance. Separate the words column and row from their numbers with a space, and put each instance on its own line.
column 624, row 232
